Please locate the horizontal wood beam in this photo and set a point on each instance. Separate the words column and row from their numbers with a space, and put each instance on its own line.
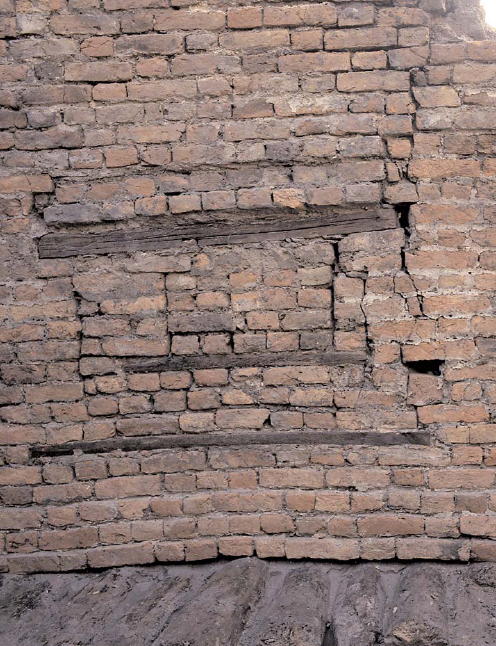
column 63, row 245
column 258, row 360
column 201, row 440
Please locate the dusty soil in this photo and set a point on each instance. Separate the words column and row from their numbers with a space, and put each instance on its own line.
column 249, row 602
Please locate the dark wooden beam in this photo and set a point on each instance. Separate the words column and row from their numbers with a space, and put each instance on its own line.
column 201, row 440
column 259, row 360
column 268, row 227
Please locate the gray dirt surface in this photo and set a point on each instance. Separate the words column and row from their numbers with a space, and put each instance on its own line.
column 249, row 602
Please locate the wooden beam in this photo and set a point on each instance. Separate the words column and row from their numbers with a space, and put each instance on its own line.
column 63, row 245
column 258, row 360
column 201, row 440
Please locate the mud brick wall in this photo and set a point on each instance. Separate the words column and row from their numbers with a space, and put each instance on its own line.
column 248, row 263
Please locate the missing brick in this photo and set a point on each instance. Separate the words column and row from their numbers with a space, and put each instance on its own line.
column 426, row 367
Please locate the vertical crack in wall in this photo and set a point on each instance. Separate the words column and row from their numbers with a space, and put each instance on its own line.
column 369, row 341
column 404, row 215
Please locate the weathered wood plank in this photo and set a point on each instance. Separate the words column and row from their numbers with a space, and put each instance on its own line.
column 266, row 228
column 354, row 226
column 259, row 360
column 326, row 437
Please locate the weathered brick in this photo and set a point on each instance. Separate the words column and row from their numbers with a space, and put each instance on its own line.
column 236, row 546
column 20, row 476
column 169, row 551
column 360, row 478
column 302, row 478
column 117, row 555
column 244, row 17
column 322, row 548
column 461, row 478
column 98, row 72
column 378, row 549
column 189, row 20
column 127, row 486
column 36, row 562
column 69, row 539
column 319, row 62
column 390, row 81
column 351, row 39
column 250, row 42
column 179, row 89
column 164, row 44
column 200, row 550
column 173, row 462
column 19, row 518
column 391, row 525
column 187, row 64
column 432, row 549
column 241, row 418
column 303, row 15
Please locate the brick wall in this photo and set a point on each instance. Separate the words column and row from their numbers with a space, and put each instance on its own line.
column 247, row 281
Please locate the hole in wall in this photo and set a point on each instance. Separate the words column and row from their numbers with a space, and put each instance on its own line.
column 329, row 637
column 426, row 367
column 403, row 211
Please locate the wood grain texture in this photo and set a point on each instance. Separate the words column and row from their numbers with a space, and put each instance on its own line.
column 242, row 439
column 260, row 360
column 337, row 223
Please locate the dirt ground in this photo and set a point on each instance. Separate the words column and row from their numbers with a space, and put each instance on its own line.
column 249, row 602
